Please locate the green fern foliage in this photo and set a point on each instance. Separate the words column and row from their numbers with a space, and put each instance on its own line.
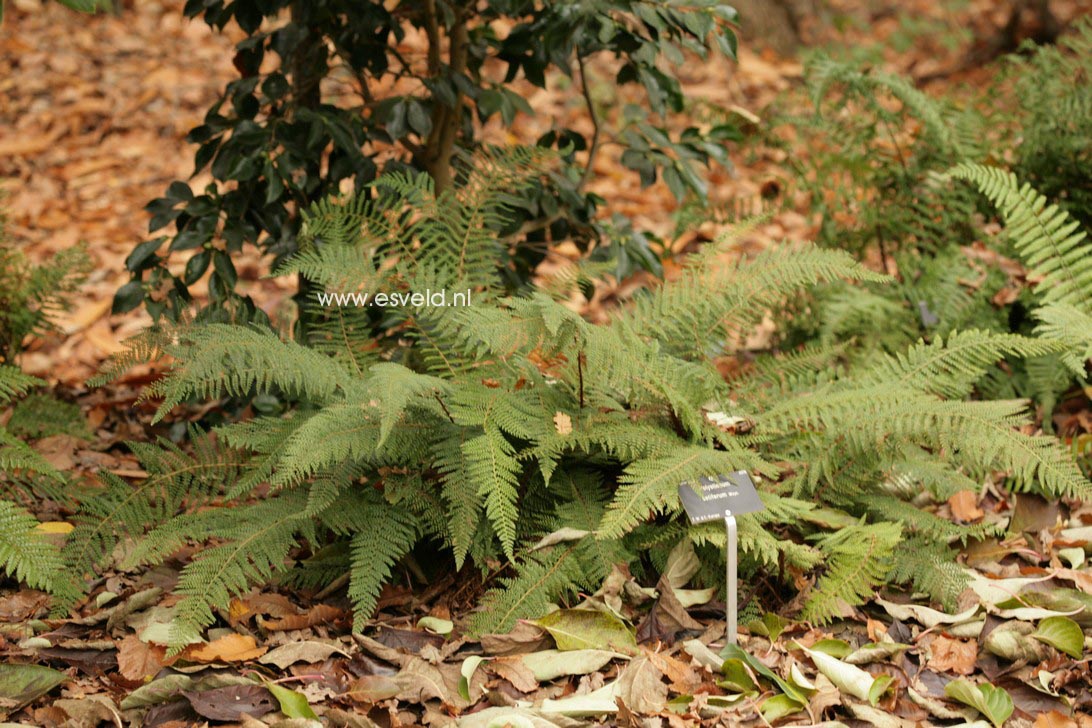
column 858, row 559
column 540, row 449
column 30, row 296
column 1047, row 238
column 25, row 553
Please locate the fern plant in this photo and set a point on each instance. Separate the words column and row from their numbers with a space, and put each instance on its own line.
column 540, row 449
column 28, row 296
column 888, row 148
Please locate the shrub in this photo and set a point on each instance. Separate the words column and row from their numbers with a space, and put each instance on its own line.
column 327, row 97
column 515, row 432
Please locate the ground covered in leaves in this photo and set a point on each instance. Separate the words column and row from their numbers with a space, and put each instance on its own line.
column 92, row 121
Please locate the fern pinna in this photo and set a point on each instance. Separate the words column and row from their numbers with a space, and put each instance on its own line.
column 515, row 431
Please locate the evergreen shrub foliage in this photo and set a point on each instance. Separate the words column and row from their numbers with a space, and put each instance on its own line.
column 522, row 441
column 328, row 96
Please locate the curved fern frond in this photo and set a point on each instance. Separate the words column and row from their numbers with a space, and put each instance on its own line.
column 259, row 539
column 1049, row 241
column 951, row 368
column 213, row 359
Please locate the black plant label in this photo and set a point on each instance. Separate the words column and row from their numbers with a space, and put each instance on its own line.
column 715, row 498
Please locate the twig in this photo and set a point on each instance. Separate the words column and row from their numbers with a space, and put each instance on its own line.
column 444, row 407
column 581, row 359
column 586, row 89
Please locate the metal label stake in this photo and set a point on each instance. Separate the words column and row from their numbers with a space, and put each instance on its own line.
column 724, row 497
column 731, row 579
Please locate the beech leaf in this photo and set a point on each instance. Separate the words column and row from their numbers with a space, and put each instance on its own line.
column 581, row 629
column 21, row 684
column 993, row 703
column 293, row 704
column 1063, row 634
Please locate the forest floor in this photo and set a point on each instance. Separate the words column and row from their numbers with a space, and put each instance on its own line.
column 93, row 114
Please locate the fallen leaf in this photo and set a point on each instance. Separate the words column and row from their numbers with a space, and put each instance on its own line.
column 524, row 637
column 549, row 664
column 924, row 615
column 577, row 629
column 21, row 684
column 641, row 686
column 992, row 702
column 563, row 423
column 952, row 655
column 847, row 678
column 420, row 681
column 303, row 651
column 466, row 675
column 89, row 710
column 318, row 614
column 682, row 564
column 231, row 648
column 293, row 704
column 55, row 527
column 373, row 689
column 1054, row 719
column 964, row 505
column 597, row 702
column 1012, row 641
column 436, row 625
column 232, row 702
column 138, row 660
column 1061, row 633
column 513, row 669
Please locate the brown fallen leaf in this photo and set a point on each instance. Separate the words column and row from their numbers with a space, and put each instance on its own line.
column 952, row 655
column 524, row 637
column 964, row 505
column 232, row 702
column 641, row 686
column 516, row 672
column 372, row 689
column 682, row 676
column 563, row 423
column 319, row 614
column 138, row 660
column 1054, row 719
column 232, row 648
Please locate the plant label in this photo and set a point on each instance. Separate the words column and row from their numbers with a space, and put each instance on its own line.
column 724, row 495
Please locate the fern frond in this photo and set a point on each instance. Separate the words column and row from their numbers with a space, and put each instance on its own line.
column 651, row 486
column 25, row 553
column 121, row 510
column 539, row 578
column 382, row 535
column 1049, row 241
column 950, row 368
column 220, row 358
column 13, row 383
column 930, row 566
column 41, row 415
column 1071, row 326
column 258, row 542
column 16, row 457
column 491, row 462
column 708, row 302
column 858, row 559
